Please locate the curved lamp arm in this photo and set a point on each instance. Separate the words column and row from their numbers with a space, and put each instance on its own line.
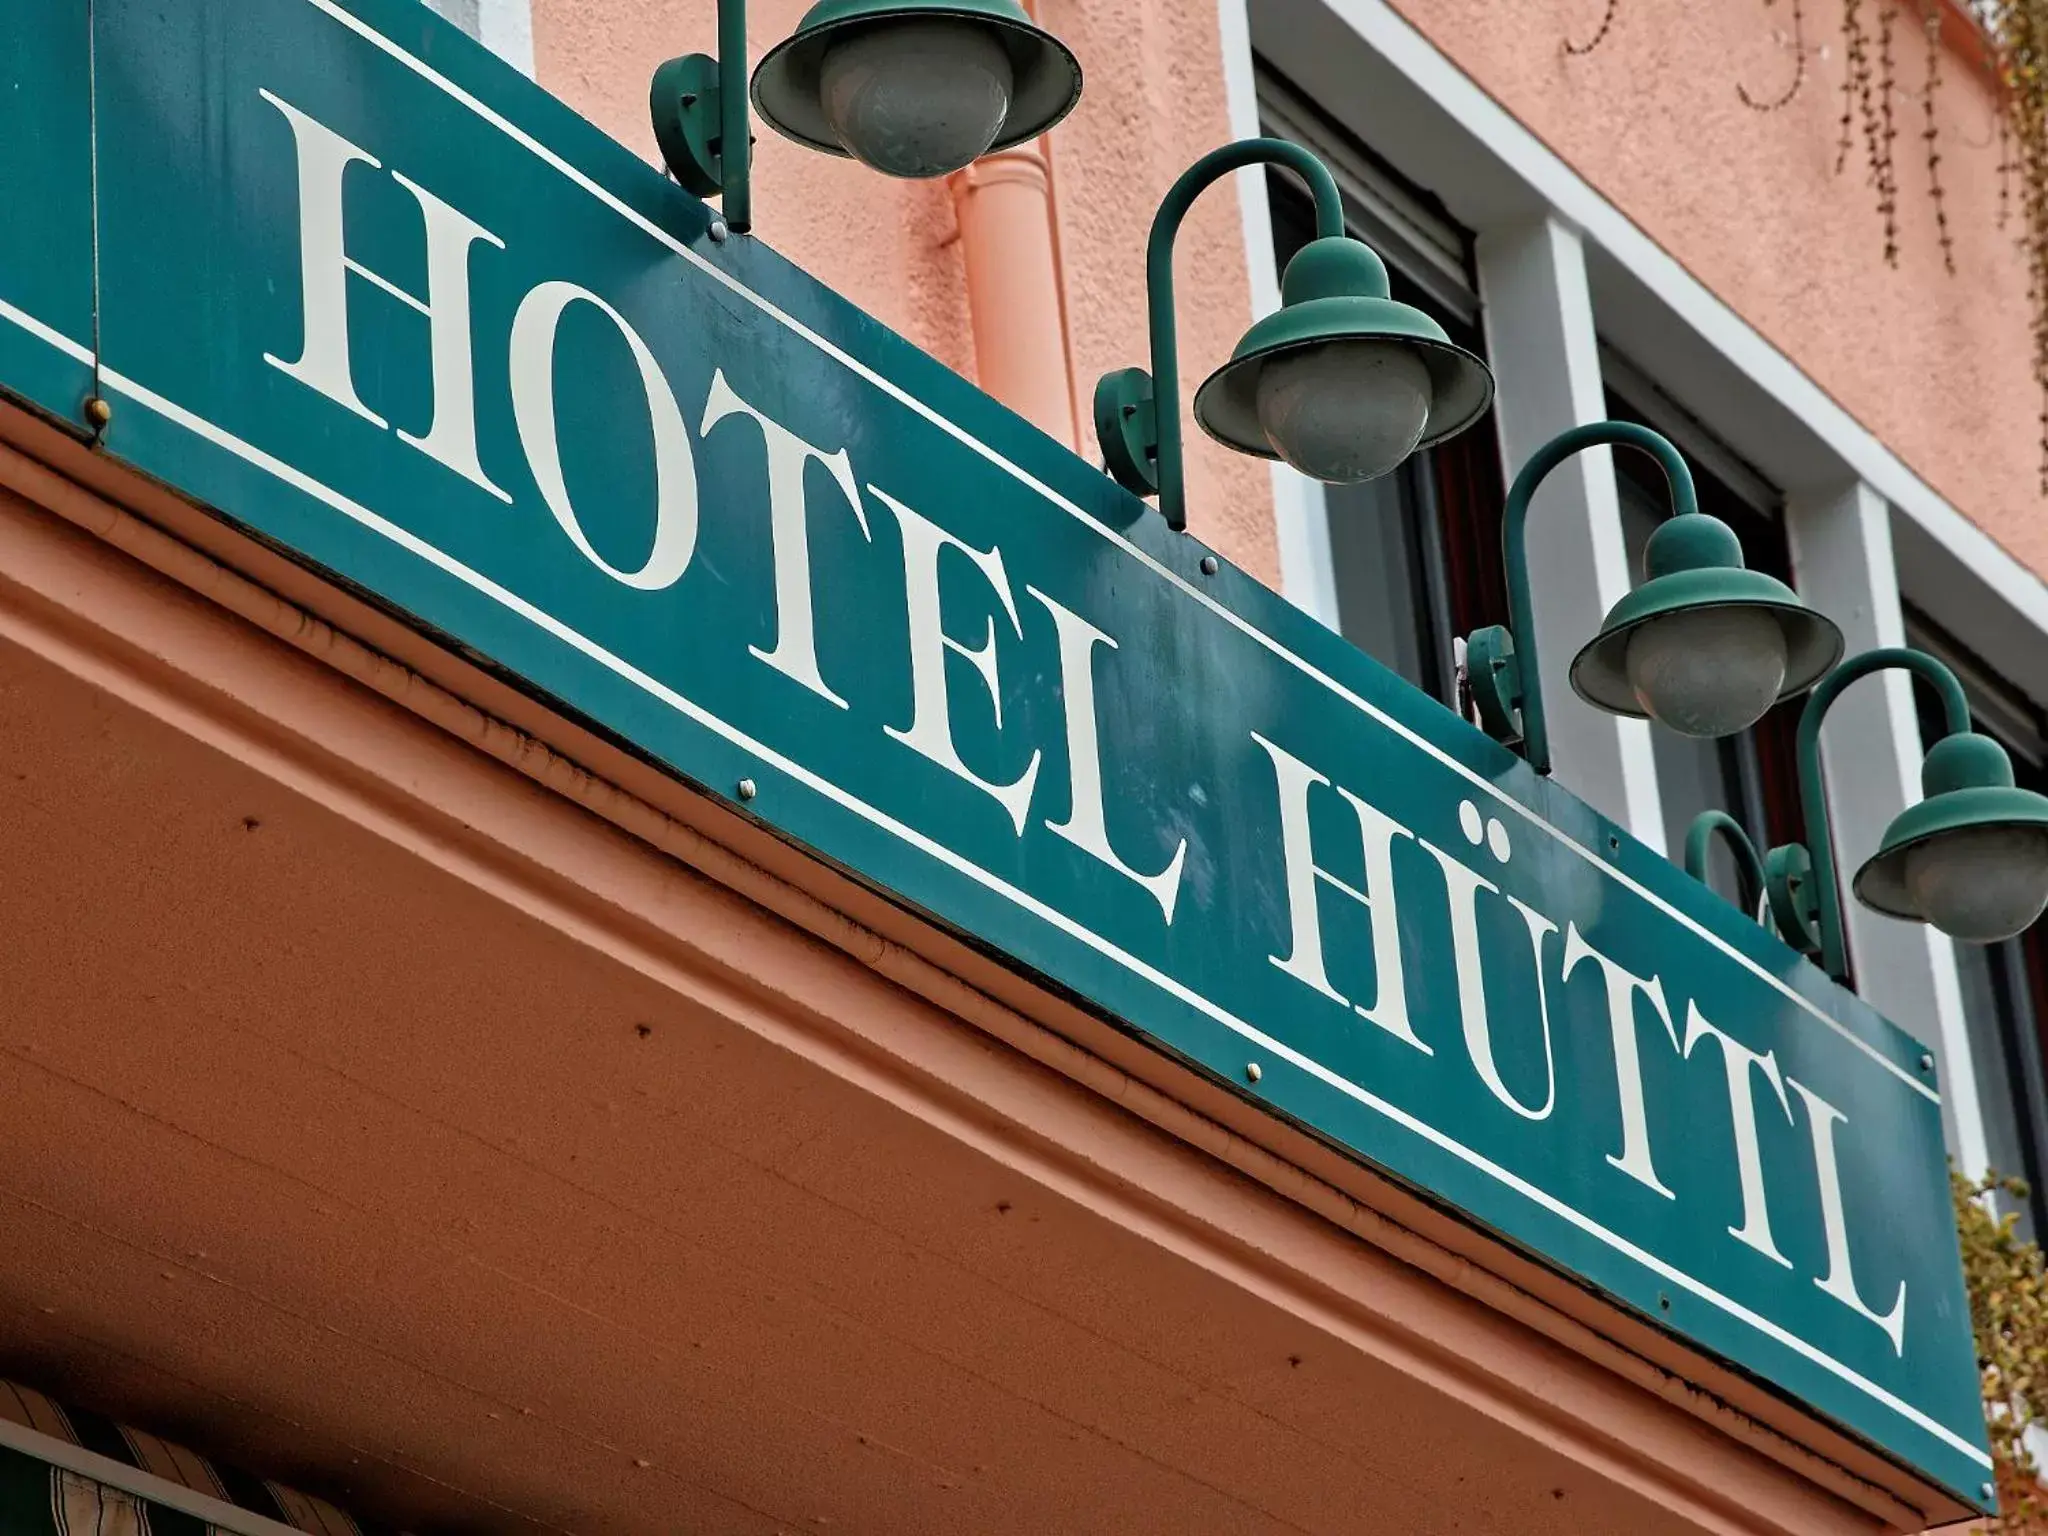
column 1504, row 675
column 1158, row 398
column 1813, row 799
column 703, row 123
column 1699, row 847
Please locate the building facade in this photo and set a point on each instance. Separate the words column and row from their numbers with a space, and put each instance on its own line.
column 425, row 1099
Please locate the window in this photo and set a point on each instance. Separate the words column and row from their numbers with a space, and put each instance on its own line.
column 1415, row 556
column 2004, row 986
column 1752, row 777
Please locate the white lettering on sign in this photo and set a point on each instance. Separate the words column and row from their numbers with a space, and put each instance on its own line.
column 1840, row 1280
column 1087, row 823
column 1623, row 988
column 1305, row 960
column 935, row 565
column 1738, row 1062
column 324, row 157
column 534, row 328
column 795, row 652
column 931, row 707
column 1464, row 886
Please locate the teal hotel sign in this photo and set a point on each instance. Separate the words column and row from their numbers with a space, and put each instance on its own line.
column 377, row 300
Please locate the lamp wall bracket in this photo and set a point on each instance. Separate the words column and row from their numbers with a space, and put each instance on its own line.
column 1127, row 427
column 1493, row 673
column 686, row 105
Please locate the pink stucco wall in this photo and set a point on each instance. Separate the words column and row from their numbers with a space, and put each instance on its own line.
column 1936, row 366
column 883, row 243
column 1154, row 102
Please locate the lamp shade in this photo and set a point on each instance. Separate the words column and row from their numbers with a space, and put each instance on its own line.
column 1972, row 857
column 1044, row 76
column 1335, row 301
column 1698, row 589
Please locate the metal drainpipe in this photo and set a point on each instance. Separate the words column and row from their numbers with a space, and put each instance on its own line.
column 1009, row 240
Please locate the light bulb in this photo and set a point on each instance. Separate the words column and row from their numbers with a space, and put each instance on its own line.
column 916, row 98
column 1345, row 411
column 1980, row 884
column 1707, row 671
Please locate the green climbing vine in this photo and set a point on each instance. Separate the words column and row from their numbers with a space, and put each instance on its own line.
column 2009, row 1315
column 2015, row 36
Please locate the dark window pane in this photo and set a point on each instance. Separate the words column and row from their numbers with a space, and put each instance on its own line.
column 2003, row 985
column 2005, row 1053
column 1415, row 556
column 1752, row 777
column 1693, row 775
column 1387, row 560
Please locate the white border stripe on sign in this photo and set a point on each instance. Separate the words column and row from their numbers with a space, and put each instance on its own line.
column 854, row 365
column 412, row 544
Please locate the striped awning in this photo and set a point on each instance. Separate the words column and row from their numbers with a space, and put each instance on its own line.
column 67, row 1471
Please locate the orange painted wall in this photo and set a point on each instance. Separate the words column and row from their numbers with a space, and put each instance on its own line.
column 1936, row 366
column 1154, row 102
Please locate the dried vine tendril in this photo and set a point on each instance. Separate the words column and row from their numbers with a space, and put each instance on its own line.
column 1930, row 24
column 1784, row 97
column 2016, row 32
column 1599, row 33
column 1884, row 168
column 1855, row 67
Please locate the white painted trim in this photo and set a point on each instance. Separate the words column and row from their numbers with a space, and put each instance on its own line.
column 1545, row 350
column 1861, row 454
column 1301, row 523
column 506, row 28
column 1843, row 563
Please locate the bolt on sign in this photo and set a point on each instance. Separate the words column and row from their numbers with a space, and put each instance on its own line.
column 375, row 298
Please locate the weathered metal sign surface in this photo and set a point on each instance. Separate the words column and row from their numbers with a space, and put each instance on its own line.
column 380, row 300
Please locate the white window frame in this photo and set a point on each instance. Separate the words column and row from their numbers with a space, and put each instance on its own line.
column 503, row 26
column 1857, row 514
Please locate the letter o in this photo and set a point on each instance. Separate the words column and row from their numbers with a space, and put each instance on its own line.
column 533, row 409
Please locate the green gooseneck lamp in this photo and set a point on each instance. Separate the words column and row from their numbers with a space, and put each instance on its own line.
column 913, row 88
column 1971, row 858
column 1342, row 381
column 1704, row 646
